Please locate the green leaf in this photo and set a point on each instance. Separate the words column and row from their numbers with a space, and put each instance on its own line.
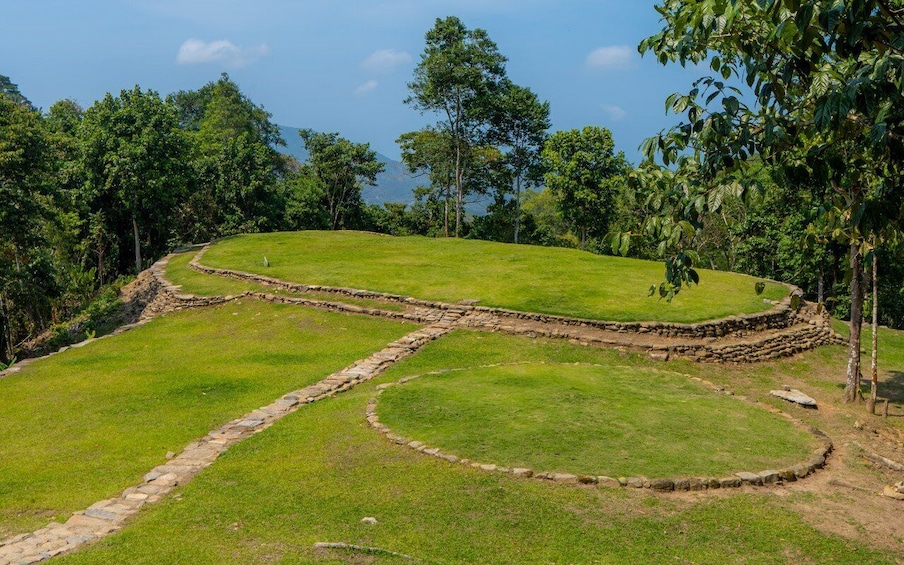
column 759, row 287
column 693, row 276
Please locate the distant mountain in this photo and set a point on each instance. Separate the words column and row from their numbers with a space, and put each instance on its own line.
column 395, row 184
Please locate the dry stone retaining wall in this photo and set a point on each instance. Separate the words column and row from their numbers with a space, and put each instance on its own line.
column 778, row 332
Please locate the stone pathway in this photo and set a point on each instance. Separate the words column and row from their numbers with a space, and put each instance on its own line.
column 107, row 516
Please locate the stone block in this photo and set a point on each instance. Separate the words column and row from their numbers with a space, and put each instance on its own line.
column 750, row 478
column 662, row 485
column 769, row 477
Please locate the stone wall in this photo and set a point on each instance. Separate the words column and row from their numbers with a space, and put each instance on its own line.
column 778, row 332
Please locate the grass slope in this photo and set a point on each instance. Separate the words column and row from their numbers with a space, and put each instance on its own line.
column 593, row 420
column 314, row 475
column 538, row 279
column 83, row 425
column 193, row 282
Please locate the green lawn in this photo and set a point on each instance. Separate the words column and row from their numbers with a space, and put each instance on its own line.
column 85, row 424
column 193, row 282
column 592, row 420
column 313, row 476
column 528, row 278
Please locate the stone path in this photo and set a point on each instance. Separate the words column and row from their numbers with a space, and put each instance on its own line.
column 107, row 516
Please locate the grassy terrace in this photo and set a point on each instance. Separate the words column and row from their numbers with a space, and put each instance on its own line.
column 83, row 425
column 537, row 279
column 315, row 474
column 594, row 420
column 193, row 282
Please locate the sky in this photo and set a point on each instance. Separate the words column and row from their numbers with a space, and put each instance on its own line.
column 343, row 66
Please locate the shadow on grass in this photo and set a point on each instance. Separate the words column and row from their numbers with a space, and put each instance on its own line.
column 892, row 387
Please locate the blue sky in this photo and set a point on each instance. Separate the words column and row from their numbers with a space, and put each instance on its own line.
column 342, row 65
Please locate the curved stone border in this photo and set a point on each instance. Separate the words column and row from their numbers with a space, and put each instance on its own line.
column 107, row 516
column 791, row 332
column 769, row 477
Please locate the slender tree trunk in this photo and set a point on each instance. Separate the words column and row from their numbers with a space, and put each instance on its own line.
column 583, row 239
column 820, row 287
column 517, row 207
column 458, row 188
column 874, row 368
column 851, row 389
column 6, row 335
column 446, row 214
column 137, row 245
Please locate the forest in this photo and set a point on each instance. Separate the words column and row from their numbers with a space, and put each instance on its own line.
column 91, row 196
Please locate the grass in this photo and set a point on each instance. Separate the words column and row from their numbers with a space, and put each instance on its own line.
column 93, row 420
column 315, row 474
column 593, row 420
column 538, row 279
column 193, row 282
column 83, row 425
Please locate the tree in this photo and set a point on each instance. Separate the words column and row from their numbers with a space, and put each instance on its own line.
column 519, row 123
column 236, row 164
column 10, row 90
column 134, row 158
column 341, row 167
column 26, row 276
column 583, row 172
column 458, row 77
column 827, row 110
column 431, row 152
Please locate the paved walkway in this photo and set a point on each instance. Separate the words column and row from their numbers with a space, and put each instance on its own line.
column 107, row 516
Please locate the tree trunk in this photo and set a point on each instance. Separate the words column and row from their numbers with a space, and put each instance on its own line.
column 874, row 382
column 458, row 189
column 6, row 335
column 820, row 288
column 137, row 245
column 446, row 214
column 583, row 239
column 517, row 207
column 851, row 389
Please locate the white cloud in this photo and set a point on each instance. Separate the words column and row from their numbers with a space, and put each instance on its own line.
column 615, row 113
column 384, row 61
column 368, row 86
column 195, row 51
column 614, row 57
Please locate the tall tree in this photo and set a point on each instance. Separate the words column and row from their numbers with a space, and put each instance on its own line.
column 134, row 158
column 10, row 90
column 825, row 78
column 341, row 167
column 236, row 164
column 583, row 172
column 519, row 125
column 458, row 77
column 431, row 152
column 26, row 277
